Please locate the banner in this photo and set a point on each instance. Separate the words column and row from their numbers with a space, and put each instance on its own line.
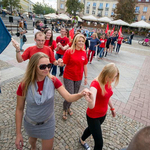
column 71, row 33
column 107, row 28
column 5, row 36
column 120, row 31
column 112, row 31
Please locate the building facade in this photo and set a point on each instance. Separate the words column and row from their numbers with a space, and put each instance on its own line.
column 142, row 10
column 26, row 6
column 100, row 8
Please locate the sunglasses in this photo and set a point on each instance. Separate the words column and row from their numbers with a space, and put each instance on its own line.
column 44, row 66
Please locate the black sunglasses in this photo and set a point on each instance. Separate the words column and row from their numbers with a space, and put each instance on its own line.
column 43, row 66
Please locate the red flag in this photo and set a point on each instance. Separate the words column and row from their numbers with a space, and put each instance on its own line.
column 112, row 31
column 71, row 33
column 120, row 31
column 107, row 28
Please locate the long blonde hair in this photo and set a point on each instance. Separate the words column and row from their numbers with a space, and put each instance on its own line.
column 108, row 71
column 30, row 74
column 75, row 40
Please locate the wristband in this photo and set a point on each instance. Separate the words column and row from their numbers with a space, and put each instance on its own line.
column 112, row 109
column 17, row 51
column 85, row 77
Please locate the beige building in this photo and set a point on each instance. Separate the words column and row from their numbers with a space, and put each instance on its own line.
column 142, row 10
column 27, row 6
column 100, row 8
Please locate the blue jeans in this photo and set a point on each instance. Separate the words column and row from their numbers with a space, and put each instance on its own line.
column 54, row 71
column 101, row 52
column 118, row 48
column 98, row 50
column 21, row 43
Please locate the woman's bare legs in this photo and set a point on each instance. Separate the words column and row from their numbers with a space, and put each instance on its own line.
column 47, row 144
column 32, row 142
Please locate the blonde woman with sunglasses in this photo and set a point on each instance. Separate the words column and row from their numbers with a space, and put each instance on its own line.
column 37, row 90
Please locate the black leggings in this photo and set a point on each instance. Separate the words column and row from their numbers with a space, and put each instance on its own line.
column 94, row 128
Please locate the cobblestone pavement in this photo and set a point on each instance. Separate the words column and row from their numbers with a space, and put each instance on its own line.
column 131, row 100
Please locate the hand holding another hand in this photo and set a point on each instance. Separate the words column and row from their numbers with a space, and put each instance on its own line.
column 60, row 62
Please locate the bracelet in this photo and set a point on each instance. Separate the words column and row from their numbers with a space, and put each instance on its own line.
column 17, row 51
column 112, row 109
column 85, row 77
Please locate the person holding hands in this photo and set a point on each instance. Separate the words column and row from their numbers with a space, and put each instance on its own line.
column 99, row 99
column 75, row 61
column 37, row 90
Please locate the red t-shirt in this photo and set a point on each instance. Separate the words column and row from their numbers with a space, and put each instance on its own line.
column 64, row 41
column 101, row 103
column 53, row 46
column 103, row 43
column 33, row 49
column 56, row 81
column 120, row 40
column 74, row 64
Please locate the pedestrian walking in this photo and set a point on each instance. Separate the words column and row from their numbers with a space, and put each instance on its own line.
column 37, row 90
column 94, row 42
column 98, row 104
column 119, row 42
column 22, row 31
column 131, row 38
column 75, row 61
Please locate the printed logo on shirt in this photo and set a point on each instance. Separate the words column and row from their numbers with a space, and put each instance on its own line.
column 83, row 57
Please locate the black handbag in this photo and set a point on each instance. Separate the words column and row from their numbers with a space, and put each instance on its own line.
column 17, row 34
column 24, row 38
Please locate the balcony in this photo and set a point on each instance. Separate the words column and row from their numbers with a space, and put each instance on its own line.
column 99, row 15
column 100, row 8
column 137, row 12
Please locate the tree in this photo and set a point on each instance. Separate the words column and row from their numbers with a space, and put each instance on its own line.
column 11, row 3
column 74, row 6
column 125, row 10
column 38, row 8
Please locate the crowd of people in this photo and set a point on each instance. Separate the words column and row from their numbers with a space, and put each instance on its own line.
column 38, row 85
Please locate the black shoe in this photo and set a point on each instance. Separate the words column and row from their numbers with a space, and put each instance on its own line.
column 60, row 74
column 85, row 145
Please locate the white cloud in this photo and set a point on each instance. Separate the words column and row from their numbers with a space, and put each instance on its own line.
column 52, row 3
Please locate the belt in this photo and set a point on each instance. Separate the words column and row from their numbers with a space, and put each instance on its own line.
column 37, row 123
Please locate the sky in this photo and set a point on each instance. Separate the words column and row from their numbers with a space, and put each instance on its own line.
column 52, row 3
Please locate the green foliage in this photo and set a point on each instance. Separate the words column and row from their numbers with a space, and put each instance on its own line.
column 39, row 8
column 11, row 3
column 74, row 6
column 125, row 10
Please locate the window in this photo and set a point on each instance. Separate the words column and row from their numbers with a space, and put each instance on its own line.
column 101, row 6
column 88, row 4
column 142, row 17
column 63, row 0
column 139, row 0
column 107, row 5
column 99, row 13
column 106, row 13
column 137, row 9
column 112, row 13
column 62, row 6
column 114, row 6
column 147, row 0
column 93, row 12
column 94, row 4
column 145, row 9
column 87, row 11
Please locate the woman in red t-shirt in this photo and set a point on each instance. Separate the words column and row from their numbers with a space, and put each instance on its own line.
column 36, row 91
column 119, row 42
column 76, row 61
column 97, row 107
column 49, row 41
